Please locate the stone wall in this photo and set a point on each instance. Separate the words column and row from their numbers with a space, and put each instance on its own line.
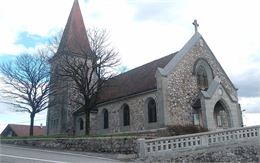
column 122, row 145
column 235, row 153
column 182, row 86
column 138, row 115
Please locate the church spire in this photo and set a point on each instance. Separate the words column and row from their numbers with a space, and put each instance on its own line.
column 74, row 38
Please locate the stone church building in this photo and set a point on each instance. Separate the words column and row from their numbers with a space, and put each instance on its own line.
column 186, row 87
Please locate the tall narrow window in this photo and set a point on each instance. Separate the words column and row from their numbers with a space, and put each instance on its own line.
column 105, row 115
column 152, row 115
column 202, row 78
column 81, row 124
column 126, row 116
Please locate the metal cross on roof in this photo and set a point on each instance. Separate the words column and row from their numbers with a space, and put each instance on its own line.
column 196, row 25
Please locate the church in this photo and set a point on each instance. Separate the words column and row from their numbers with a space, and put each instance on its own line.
column 188, row 87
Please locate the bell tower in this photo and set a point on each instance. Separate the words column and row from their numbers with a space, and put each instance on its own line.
column 74, row 41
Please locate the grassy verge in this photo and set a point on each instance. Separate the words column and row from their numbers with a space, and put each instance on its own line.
column 69, row 136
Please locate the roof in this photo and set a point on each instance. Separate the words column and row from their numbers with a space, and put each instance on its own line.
column 74, row 38
column 23, row 130
column 138, row 80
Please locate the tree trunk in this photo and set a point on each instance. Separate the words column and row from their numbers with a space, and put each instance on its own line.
column 87, row 122
column 32, row 124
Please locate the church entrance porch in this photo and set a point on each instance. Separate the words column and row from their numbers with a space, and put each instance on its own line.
column 220, row 109
column 221, row 116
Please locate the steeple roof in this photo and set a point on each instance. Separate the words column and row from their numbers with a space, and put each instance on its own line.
column 74, row 38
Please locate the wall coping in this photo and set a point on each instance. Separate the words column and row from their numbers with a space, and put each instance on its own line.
column 170, row 145
column 204, row 133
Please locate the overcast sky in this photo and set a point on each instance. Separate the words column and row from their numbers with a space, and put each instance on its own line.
column 144, row 30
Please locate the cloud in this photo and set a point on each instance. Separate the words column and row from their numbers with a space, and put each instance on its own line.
column 250, row 104
column 11, row 117
column 4, row 108
column 160, row 11
column 35, row 17
column 251, row 119
column 248, row 84
column 30, row 40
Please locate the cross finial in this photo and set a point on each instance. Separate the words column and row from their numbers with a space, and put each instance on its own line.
column 196, row 25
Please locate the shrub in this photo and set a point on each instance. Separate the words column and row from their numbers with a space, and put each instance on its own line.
column 184, row 129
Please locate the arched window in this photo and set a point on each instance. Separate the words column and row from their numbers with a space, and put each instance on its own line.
column 152, row 115
column 105, row 120
column 81, row 124
column 202, row 79
column 203, row 73
column 126, row 115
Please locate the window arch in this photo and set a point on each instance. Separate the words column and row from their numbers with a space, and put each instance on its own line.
column 105, row 119
column 152, row 113
column 203, row 73
column 221, row 115
column 81, row 124
column 126, row 115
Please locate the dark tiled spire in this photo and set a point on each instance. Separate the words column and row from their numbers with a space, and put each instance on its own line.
column 74, row 38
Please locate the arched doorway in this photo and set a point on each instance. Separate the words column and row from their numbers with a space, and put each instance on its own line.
column 221, row 115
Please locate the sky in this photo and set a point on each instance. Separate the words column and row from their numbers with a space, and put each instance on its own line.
column 142, row 31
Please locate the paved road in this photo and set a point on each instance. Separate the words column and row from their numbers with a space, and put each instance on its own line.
column 17, row 154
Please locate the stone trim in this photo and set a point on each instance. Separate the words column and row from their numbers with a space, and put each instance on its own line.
column 178, row 57
column 226, row 76
column 215, row 84
column 184, row 51
column 121, row 118
column 147, row 124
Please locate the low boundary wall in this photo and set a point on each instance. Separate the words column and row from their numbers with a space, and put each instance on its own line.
column 176, row 144
column 123, row 145
column 147, row 148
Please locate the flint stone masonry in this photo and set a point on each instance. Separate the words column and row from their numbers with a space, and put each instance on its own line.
column 108, row 145
column 182, row 84
column 138, row 115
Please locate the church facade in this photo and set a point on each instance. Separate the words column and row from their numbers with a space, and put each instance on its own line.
column 188, row 87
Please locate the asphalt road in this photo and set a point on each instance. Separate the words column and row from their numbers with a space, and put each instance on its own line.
column 18, row 154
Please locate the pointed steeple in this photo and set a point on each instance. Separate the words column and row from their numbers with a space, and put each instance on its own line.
column 74, row 38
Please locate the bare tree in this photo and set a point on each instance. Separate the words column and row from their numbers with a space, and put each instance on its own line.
column 26, row 81
column 89, row 70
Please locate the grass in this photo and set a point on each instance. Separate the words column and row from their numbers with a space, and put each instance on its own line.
column 69, row 136
column 170, row 131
